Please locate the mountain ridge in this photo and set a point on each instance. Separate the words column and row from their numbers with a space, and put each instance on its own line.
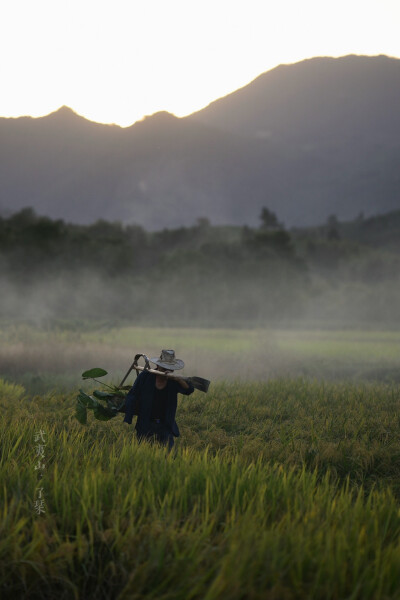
column 324, row 139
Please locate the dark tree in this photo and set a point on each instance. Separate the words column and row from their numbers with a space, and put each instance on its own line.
column 269, row 219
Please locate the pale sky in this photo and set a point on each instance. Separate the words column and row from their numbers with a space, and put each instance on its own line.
column 115, row 61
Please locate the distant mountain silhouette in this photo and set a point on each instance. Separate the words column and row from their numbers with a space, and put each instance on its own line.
column 337, row 122
column 306, row 140
column 163, row 171
column 315, row 101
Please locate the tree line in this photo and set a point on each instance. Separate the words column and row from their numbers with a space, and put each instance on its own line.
column 200, row 274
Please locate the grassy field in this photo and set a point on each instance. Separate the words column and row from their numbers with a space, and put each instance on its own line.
column 58, row 356
column 285, row 482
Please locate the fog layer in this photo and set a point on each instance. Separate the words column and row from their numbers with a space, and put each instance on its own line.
column 203, row 276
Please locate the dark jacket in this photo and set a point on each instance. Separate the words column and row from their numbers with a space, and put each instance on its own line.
column 140, row 397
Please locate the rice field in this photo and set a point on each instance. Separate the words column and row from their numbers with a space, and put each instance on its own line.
column 59, row 354
column 284, row 482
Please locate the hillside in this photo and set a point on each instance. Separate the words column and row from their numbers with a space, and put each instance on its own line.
column 337, row 121
column 317, row 101
column 307, row 140
column 160, row 172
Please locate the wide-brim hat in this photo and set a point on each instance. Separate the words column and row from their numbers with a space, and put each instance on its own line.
column 167, row 360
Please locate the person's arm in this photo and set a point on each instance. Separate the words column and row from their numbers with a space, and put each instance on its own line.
column 183, row 387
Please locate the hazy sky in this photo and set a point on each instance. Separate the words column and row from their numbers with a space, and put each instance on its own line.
column 118, row 60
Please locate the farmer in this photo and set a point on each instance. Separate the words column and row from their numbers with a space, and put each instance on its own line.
column 154, row 399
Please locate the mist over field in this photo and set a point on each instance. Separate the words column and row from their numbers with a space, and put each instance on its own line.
column 45, row 359
column 294, row 305
column 338, row 275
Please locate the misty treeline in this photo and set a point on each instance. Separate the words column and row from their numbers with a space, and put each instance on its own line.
column 201, row 275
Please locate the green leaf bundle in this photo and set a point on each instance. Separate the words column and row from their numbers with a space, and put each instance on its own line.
column 114, row 400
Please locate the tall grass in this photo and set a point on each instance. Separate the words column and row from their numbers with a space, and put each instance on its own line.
column 277, row 490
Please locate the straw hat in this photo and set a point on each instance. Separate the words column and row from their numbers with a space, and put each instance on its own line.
column 167, row 360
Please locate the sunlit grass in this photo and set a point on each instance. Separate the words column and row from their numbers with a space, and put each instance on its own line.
column 280, row 486
column 285, row 489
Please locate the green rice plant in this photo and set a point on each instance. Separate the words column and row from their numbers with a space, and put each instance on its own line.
column 284, row 489
column 11, row 392
column 132, row 520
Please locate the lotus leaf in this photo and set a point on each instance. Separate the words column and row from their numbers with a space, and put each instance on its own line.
column 96, row 372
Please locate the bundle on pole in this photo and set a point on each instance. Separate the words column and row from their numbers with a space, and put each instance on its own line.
column 107, row 404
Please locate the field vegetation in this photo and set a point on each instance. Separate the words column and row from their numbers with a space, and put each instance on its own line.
column 283, row 484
